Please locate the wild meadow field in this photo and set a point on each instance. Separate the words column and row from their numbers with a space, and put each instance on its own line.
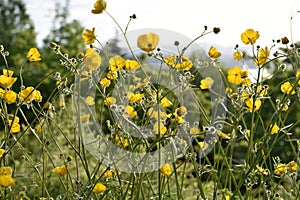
column 146, row 115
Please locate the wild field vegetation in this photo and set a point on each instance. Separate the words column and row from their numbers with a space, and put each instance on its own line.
column 147, row 122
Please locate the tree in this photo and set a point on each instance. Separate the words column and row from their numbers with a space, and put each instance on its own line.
column 17, row 32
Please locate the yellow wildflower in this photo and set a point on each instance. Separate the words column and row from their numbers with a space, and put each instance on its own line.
column 235, row 75
column 160, row 125
column 179, row 120
column 237, row 55
column 262, row 170
column 92, row 59
column 122, row 141
column 5, row 177
column 206, row 83
column 89, row 100
column 223, row 135
column 287, row 88
column 110, row 100
column 213, row 52
column 185, row 65
column 33, row 55
column 7, row 73
column 99, row 7
column 29, row 94
column 107, row 173
column 195, row 131
column 99, row 188
column 60, row 171
column 131, row 65
column 130, row 111
column 263, row 55
column 249, row 36
column 170, row 60
column 250, row 104
column 116, row 63
column 292, row 166
column 166, row 169
column 148, row 42
column 165, row 102
column 275, row 128
column 105, row 82
column 134, row 98
column 281, row 169
column 2, row 151
column 6, row 80
column 112, row 75
column 14, row 123
column 10, row 97
column 85, row 118
column 181, row 111
column 89, row 36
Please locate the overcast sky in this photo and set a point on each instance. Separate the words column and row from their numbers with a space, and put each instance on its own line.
column 270, row 17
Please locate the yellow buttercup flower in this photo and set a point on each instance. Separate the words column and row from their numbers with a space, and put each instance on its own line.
column 148, row 42
column 237, row 55
column 181, row 111
column 253, row 106
column 274, row 128
column 281, row 169
column 160, row 126
column 170, row 60
column 112, row 75
column 5, row 177
column 292, row 166
column 287, row 88
column 134, row 98
column 214, row 53
column 6, row 80
column 116, row 63
column 105, row 82
column 89, row 100
column 99, row 188
column 262, row 170
column 131, row 65
column 249, row 36
column 107, row 173
column 89, row 36
column 235, row 75
column 223, row 135
column 263, row 55
column 92, row 59
column 165, row 102
column 195, row 131
column 14, row 123
column 2, row 151
column 85, row 118
column 33, row 55
column 99, row 7
column 29, row 94
column 60, row 171
column 185, row 65
column 179, row 120
column 130, row 111
column 110, row 100
column 206, row 83
column 166, row 169
column 10, row 97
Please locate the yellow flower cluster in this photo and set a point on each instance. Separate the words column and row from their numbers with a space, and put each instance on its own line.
column 182, row 63
column 282, row 168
